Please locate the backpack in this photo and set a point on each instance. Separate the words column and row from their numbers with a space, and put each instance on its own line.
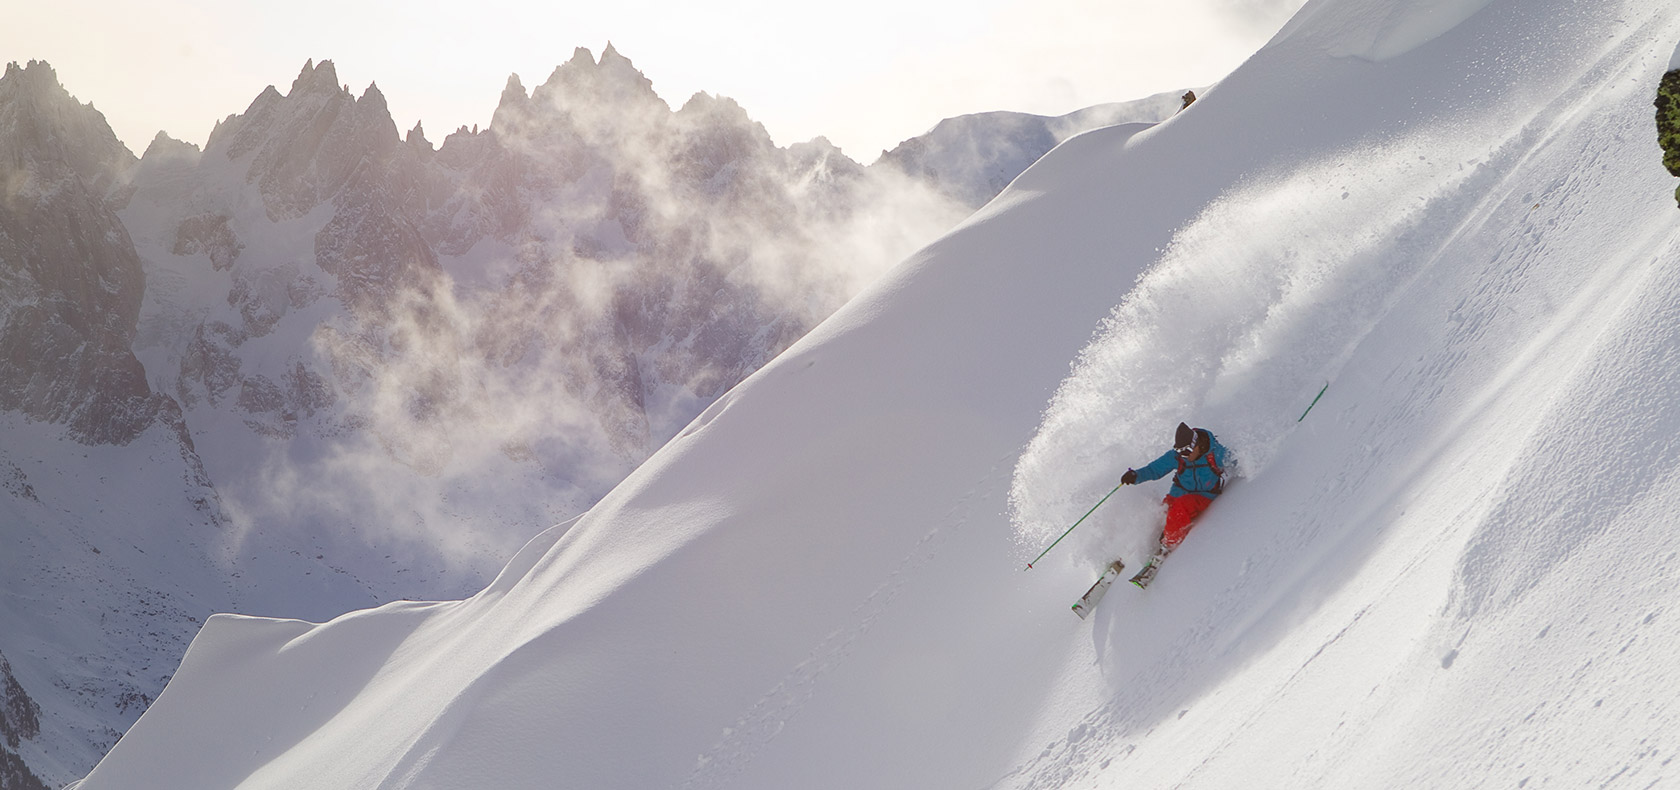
column 1212, row 463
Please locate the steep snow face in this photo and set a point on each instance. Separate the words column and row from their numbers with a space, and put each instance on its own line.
column 1452, row 573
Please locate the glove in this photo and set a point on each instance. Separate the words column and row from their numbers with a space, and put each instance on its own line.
column 1129, row 478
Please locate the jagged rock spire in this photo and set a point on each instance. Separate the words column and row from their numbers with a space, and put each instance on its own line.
column 322, row 78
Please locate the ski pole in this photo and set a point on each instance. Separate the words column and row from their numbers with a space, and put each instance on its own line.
column 1075, row 524
column 1315, row 401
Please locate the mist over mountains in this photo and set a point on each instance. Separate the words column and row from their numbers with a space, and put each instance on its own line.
column 320, row 364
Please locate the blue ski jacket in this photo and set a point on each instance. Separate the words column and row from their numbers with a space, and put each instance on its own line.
column 1204, row 476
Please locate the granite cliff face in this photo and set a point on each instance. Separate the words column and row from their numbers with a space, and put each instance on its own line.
column 305, row 147
column 70, row 281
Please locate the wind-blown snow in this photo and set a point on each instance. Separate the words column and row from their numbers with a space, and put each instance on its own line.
column 1455, row 572
column 1252, row 305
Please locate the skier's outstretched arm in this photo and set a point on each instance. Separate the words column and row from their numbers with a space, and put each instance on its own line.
column 1157, row 469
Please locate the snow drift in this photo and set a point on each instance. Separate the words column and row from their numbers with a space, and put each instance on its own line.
column 1455, row 572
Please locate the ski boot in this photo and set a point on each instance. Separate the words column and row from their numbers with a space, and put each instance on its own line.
column 1147, row 573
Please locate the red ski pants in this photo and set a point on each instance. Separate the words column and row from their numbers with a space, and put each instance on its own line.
column 1181, row 513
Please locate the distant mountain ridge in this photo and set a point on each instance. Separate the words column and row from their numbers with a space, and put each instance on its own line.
column 973, row 157
column 346, row 365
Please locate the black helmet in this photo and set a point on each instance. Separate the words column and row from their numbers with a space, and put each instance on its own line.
column 1186, row 437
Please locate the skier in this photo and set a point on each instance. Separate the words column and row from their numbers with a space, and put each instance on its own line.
column 1198, row 462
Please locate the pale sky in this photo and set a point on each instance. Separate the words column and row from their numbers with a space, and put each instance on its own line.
column 866, row 74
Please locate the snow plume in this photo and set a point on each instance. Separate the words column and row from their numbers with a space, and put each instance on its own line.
column 802, row 227
column 1259, row 300
column 676, row 251
column 441, row 463
column 461, row 426
column 598, row 269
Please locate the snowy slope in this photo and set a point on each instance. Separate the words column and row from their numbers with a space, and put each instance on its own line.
column 1456, row 572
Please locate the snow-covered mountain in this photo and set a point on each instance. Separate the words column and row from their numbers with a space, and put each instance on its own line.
column 1455, row 571
column 318, row 366
column 973, row 157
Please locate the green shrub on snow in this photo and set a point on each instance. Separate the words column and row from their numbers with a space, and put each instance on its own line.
column 1668, row 123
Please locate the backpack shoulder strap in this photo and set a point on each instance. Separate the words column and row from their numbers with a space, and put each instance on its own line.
column 1212, row 460
column 1213, row 463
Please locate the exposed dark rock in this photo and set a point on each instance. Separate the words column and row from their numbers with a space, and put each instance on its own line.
column 307, row 391
column 16, row 483
column 376, row 251
column 210, row 365
column 20, row 716
column 264, row 296
column 70, row 281
column 20, row 720
column 14, row 775
column 305, row 147
column 209, row 234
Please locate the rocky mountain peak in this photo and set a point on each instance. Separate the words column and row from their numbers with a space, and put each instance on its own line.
column 74, row 282
column 164, row 144
column 306, row 144
column 417, row 137
column 582, row 81
column 716, row 109
column 166, row 153
column 37, row 75
column 372, row 101
column 514, row 92
column 514, row 105
column 40, row 121
column 611, row 60
column 316, row 79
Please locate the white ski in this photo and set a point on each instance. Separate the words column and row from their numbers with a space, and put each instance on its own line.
column 1089, row 600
